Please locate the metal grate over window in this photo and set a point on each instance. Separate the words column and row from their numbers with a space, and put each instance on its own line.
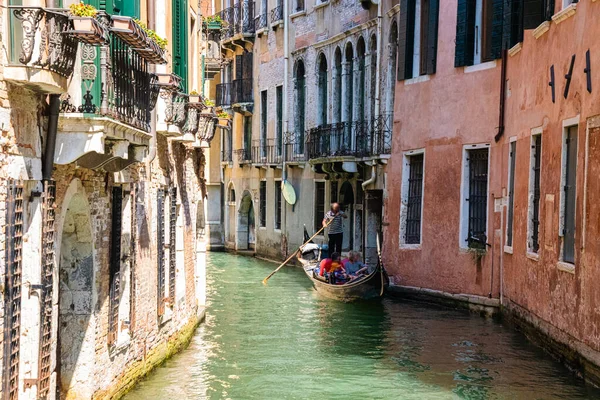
column 14, row 255
column 263, row 204
column 414, row 200
column 160, row 249
column 172, row 244
column 278, row 205
column 319, row 204
column 115, row 263
column 478, row 185
column 511, row 193
column 570, row 189
column 48, row 267
column 535, row 221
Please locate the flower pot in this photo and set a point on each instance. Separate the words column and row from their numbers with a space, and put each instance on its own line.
column 129, row 31
column 213, row 26
column 194, row 98
column 88, row 30
column 224, row 122
column 168, row 80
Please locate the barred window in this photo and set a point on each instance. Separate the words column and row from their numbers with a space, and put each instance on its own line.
column 569, row 175
column 512, row 157
column 477, row 162
column 277, row 204
column 536, row 160
column 263, row 204
column 414, row 200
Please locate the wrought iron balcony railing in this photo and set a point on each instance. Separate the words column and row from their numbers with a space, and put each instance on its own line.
column 277, row 14
column 267, row 153
column 294, row 151
column 115, row 82
column 260, row 22
column 239, row 19
column 355, row 139
column 38, row 39
column 244, row 156
column 223, row 96
column 242, row 91
column 227, row 155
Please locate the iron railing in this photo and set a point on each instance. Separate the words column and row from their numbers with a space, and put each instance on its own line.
column 239, row 19
column 267, row 153
column 277, row 13
column 117, row 83
column 260, row 22
column 176, row 111
column 244, row 156
column 223, row 95
column 294, row 151
column 356, row 139
column 38, row 39
column 242, row 91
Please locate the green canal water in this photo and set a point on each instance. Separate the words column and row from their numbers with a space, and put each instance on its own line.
column 285, row 342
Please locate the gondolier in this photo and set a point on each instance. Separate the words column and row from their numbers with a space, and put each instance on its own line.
column 336, row 228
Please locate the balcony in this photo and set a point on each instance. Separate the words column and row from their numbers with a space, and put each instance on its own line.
column 41, row 55
column 105, row 116
column 223, row 95
column 239, row 21
column 244, row 156
column 212, row 67
column 266, row 154
column 358, row 139
column 260, row 23
column 277, row 16
column 242, row 91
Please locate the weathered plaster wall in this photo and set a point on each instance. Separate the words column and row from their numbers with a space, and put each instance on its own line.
column 441, row 113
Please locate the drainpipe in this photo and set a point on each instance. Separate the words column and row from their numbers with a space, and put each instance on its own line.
column 502, row 96
column 373, row 177
column 286, row 56
column 150, row 7
column 50, row 147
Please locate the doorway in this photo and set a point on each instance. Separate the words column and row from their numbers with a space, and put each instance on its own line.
column 245, row 235
column 346, row 201
column 373, row 220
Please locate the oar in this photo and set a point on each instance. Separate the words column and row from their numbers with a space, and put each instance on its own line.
column 299, row 248
column 380, row 264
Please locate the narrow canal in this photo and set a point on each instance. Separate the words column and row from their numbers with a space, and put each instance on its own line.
column 284, row 342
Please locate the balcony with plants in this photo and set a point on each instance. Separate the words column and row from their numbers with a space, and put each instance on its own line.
column 106, row 112
column 238, row 23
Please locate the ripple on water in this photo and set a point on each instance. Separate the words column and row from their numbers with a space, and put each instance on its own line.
column 283, row 341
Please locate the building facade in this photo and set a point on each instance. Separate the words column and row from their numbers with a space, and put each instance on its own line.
column 311, row 102
column 103, row 194
column 491, row 178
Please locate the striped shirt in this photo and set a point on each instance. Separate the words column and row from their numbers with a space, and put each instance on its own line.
column 337, row 226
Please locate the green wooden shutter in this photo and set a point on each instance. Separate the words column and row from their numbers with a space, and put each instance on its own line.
column 513, row 23
column 239, row 67
column 498, row 28
column 180, row 41
column 432, row 35
column 406, row 39
column 534, row 13
column 465, row 33
column 129, row 8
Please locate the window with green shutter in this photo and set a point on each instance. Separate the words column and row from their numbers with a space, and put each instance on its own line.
column 180, row 41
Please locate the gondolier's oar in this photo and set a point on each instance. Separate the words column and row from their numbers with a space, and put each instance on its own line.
column 380, row 265
column 299, row 248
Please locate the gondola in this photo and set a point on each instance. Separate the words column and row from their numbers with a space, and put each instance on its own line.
column 371, row 286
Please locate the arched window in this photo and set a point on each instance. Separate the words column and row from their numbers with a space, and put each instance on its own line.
column 391, row 73
column 300, row 100
column 347, row 83
column 373, row 76
column 322, row 99
column 360, row 97
column 337, row 86
column 231, row 194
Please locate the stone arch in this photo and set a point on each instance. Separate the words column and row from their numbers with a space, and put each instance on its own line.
column 336, row 81
column 246, row 226
column 300, row 103
column 322, row 82
column 76, row 295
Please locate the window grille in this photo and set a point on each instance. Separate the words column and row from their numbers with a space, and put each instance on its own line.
column 319, row 204
column 14, row 255
column 414, row 200
column 279, row 133
column 115, row 263
column 334, row 191
column 172, row 245
column 478, row 184
column 570, row 189
column 535, row 222
column 511, row 194
column 263, row 204
column 278, row 205
column 48, row 267
column 160, row 249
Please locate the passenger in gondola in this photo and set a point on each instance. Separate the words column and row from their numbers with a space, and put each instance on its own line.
column 353, row 265
column 329, row 266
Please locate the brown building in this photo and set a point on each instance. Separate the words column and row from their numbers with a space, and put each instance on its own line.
column 492, row 176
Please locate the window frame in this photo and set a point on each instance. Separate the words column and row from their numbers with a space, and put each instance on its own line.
column 278, row 203
column 262, row 206
column 510, row 188
column 405, row 195
column 569, row 127
column 535, row 154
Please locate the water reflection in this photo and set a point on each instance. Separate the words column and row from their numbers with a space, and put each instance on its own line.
column 285, row 342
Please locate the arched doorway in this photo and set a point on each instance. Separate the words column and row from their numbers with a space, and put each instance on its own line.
column 76, row 298
column 346, row 200
column 245, row 235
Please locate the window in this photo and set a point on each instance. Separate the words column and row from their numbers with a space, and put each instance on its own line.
column 319, row 204
column 231, row 196
column 263, row 204
column 299, row 5
column 333, row 188
column 512, row 156
column 534, row 193
column 247, row 137
column 160, row 246
column 115, row 263
column 537, row 11
column 412, row 198
column 475, row 196
column 567, row 3
column 323, row 91
column 300, row 104
column 277, row 204
column 279, row 122
column 569, row 187
column 418, row 37
column 263, row 123
column 361, row 55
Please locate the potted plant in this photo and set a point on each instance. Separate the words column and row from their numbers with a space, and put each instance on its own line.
column 85, row 26
column 213, row 22
column 154, row 50
column 224, row 119
column 129, row 31
column 194, row 97
column 209, row 102
column 171, row 81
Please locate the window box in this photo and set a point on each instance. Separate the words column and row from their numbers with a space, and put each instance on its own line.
column 129, row 31
column 224, row 122
column 152, row 53
column 168, row 81
column 89, row 31
column 214, row 26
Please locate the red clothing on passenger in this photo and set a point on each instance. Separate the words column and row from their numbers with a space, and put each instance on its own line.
column 328, row 265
